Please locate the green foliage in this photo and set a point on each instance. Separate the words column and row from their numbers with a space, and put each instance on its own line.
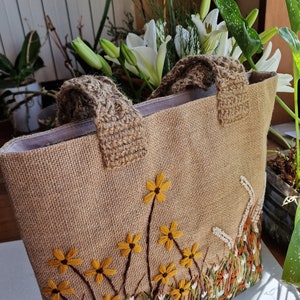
column 27, row 62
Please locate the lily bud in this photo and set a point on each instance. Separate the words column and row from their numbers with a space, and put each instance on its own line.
column 204, row 8
column 268, row 34
column 109, row 48
column 128, row 54
column 86, row 53
column 252, row 16
column 105, row 66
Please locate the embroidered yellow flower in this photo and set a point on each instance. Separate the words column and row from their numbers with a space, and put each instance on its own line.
column 109, row 297
column 189, row 255
column 156, row 189
column 165, row 273
column 57, row 290
column 100, row 270
column 182, row 289
column 131, row 244
column 63, row 261
column 169, row 235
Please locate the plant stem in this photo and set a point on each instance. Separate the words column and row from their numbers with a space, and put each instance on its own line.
column 278, row 135
column 102, row 23
column 297, row 158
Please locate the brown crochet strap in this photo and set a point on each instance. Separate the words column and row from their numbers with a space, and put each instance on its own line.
column 119, row 126
column 204, row 70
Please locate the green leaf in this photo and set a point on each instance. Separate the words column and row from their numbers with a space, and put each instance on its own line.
column 291, row 38
column 5, row 65
column 30, row 50
column 291, row 270
column 293, row 7
column 246, row 37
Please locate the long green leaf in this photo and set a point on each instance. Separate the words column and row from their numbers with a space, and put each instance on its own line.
column 5, row 65
column 246, row 37
column 291, row 270
column 293, row 7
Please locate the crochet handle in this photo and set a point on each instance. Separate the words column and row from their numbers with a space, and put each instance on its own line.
column 118, row 125
column 202, row 71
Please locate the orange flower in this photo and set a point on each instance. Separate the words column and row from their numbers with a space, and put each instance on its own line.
column 56, row 290
column 100, row 269
column 169, row 235
column 131, row 244
column 63, row 261
column 165, row 273
column 156, row 189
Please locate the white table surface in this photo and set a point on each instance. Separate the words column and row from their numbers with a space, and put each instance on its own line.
column 17, row 281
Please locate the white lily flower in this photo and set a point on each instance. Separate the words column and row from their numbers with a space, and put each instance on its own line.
column 270, row 64
column 150, row 60
column 209, row 31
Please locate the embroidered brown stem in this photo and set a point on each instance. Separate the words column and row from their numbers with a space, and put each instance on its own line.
column 135, row 291
column 148, row 244
column 111, row 284
column 84, row 280
column 181, row 252
column 126, row 271
column 156, row 290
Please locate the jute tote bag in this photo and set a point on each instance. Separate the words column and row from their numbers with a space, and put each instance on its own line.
column 161, row 200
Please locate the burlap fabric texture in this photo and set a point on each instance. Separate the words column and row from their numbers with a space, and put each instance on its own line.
column 164, row 200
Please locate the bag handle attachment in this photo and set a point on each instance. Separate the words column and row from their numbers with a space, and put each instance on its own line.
column 203, row 71
column 118, row 124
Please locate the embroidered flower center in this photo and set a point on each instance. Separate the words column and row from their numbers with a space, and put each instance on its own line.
column 55, row 291
column 170, row 236
column 64, row 262
column 181, row 290
column 164, row 275
column 157, row 190
column 191, row 256
column 99, row 271
column 131, row 245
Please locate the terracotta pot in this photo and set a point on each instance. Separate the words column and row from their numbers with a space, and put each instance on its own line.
column 278, row 220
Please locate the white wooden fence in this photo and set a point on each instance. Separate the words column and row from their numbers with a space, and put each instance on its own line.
column 17, row 17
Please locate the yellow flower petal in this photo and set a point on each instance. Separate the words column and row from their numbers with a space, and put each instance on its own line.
column 160, row 197
column 162, row 240
column 159, row 179
column 170, row 267
column 96, row 263
column 125, row 252
column 123, row 245
column 62, row 269
column 136, row 238
column 165, row 186
column 197, row 255
column 58, row 254
column 173, row 226
column 164, row 229
column 195, row 247
column 90, row 273
column 54, row 263
column 109, row 272
column 71, row 253
column 162, row 269
column 137, row 248
column 149, row 197
column 169, row 244
column 99, row 278
column 177, row 234
column 150, row 186
column 106, row 262
column 157, row 278
column 75, row 261
column 51, row 284
column 55, row 297
column 62, row 285
column 129, row 238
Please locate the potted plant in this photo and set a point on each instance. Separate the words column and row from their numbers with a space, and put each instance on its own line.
column 20, row 98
